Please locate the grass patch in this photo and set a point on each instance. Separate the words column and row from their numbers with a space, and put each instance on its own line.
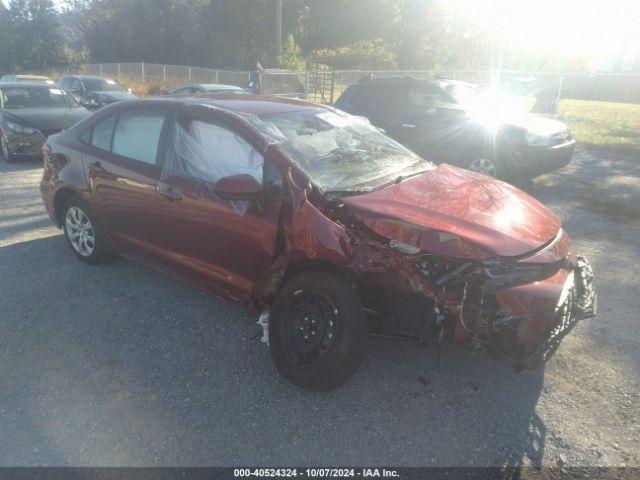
column 603, row 124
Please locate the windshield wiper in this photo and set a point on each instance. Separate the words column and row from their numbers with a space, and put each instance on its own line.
column 397, row 180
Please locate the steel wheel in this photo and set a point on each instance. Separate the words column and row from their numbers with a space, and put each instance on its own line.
column 311, row 323
column 4, row 148
column 80, row 232
column 484, row 166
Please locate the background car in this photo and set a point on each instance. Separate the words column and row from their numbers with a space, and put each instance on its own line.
column 29, row 113
column 95, row 92
column 213, row 88
column 461, row 124
column 306, row 215
column 27, row 79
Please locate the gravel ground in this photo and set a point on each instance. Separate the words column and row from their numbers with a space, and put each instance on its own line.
column 119, row 365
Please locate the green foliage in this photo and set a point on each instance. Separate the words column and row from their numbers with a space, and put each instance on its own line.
column 30, row 30
column 370, row 54
column 291, row 55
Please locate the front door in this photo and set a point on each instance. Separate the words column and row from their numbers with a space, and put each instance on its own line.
column 223, row 246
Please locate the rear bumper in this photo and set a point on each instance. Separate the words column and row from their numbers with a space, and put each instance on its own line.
column 532, row 162
column 548, row 310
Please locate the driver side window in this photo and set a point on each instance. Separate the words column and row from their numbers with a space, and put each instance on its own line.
column 423, row 98
column 207, row 151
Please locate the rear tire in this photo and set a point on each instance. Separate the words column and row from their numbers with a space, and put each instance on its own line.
column 82, row 232
column 317, row 331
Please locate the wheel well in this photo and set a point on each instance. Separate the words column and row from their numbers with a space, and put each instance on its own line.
column 59, row 200
column 267, row 290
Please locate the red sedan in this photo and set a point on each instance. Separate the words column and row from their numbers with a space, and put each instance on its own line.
column 321, row 225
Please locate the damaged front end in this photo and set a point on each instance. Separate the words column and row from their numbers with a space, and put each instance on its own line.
column 522, row 306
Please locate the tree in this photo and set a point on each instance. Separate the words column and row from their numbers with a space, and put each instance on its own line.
column 6, row 59
column 32, row 35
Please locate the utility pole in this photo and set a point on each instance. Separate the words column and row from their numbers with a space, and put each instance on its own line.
column 279, row 26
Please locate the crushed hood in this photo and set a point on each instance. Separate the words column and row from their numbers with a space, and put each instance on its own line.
column 437, row 209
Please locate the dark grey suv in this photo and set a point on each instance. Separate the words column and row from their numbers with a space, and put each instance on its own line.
column 451, row 121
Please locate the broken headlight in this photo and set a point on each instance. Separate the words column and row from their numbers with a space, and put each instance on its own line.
column 505, row 274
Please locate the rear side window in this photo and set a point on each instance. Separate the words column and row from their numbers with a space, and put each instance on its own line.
column 137, row 134
column 102, row 132
column 380, row 97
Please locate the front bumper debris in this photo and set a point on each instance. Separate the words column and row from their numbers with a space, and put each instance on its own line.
column 577, row 302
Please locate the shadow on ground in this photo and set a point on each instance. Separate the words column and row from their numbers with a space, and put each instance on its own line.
column 118, row 365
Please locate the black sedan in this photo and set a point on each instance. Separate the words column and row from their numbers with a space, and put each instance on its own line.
column 29, row 113
column 95, row 92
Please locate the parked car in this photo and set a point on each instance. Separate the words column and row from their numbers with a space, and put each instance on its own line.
column 311, row 217
column 458, row 123
column 27, row 79
column 29, row 113
column 213, row 88
column 94, row 92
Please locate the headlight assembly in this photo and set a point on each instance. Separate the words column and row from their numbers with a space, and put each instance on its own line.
column 16, row 127
column 537, row 140
column 503, row 274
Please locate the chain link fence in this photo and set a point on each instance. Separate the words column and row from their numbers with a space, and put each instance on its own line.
column 600, row 109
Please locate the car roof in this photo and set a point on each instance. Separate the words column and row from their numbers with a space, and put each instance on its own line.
column 26, row 84
column 242, row 104
column 215, row 85
column 89, row 77
column 440, row 82
column 33, row 77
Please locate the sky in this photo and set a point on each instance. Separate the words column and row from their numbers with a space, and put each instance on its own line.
column 565, row 27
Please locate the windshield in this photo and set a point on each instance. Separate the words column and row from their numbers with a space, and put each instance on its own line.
column 101, row 85
column 340, row 152
column 463, row 94
column 21, row 97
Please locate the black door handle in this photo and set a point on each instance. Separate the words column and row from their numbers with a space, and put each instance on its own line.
column 170, row 193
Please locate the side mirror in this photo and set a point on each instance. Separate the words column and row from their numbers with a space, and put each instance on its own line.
column 238, row 187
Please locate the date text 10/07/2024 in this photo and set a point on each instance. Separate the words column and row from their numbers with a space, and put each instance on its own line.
column 315, row 473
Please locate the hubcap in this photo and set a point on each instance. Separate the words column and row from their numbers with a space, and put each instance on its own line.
column 80, row 231
column 484, row 166
column 311, row 326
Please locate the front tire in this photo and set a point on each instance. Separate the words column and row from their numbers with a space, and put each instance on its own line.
column 5, row 153
column 317, row 331
column 486, row 166
column 82, row 232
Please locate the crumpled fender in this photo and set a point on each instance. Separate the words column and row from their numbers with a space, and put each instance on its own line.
column 309, row 234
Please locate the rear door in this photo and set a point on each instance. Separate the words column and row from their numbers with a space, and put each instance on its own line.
column 218, row 244
column 123, row 172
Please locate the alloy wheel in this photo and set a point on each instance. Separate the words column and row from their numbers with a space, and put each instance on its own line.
column 80, row 232
column 484, row 166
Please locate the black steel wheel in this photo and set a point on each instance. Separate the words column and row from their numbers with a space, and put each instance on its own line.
column 317, row 330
